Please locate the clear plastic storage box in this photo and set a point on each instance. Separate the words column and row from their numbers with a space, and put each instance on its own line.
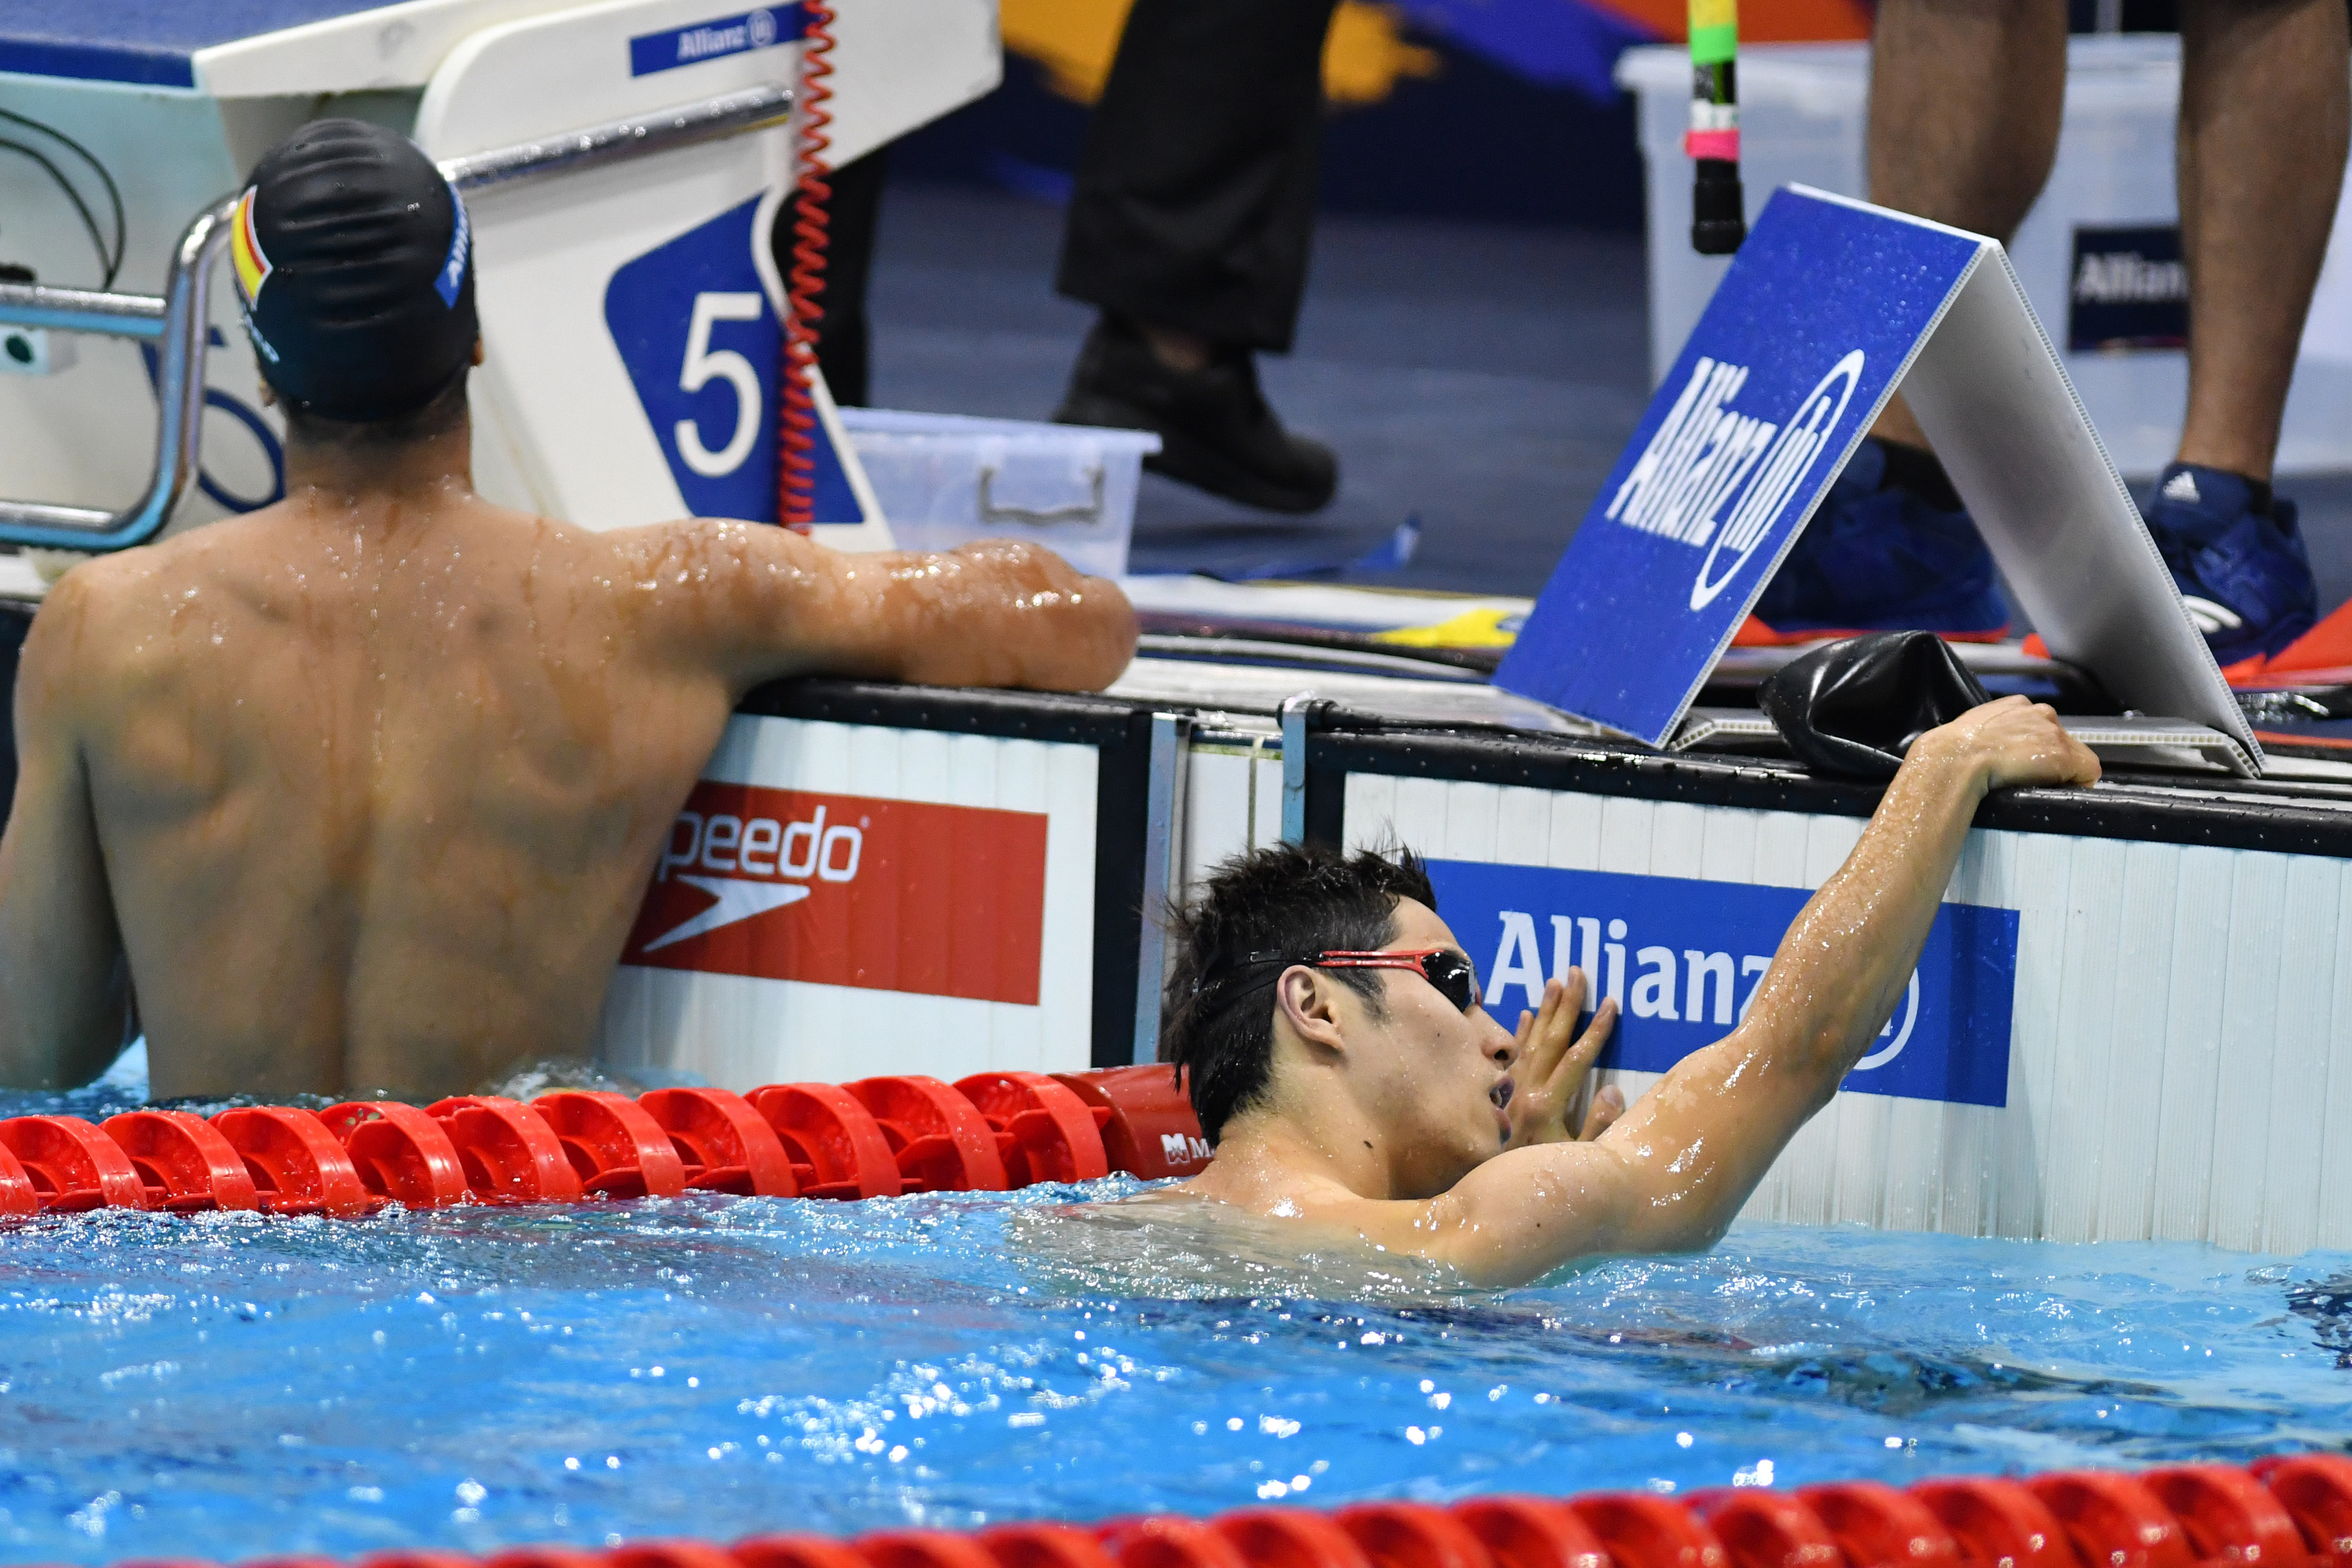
column 945, row 479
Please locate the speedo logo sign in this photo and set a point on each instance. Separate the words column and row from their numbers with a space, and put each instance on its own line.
column 1717, row 477
column 833, row 890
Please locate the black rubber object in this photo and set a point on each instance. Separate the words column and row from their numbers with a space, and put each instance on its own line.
column 1718, row 210
column 1853, row 708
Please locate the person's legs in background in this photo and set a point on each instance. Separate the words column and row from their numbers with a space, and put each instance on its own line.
column 2266, row 104
column 1965, row 99
column 1189, row 229
column 1966, row 103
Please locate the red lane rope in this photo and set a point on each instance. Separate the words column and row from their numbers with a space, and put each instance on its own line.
column 2292, row 1511
column 805, row 286
column 877, row 1138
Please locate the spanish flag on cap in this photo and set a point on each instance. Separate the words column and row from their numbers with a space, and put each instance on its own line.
column 245, row 250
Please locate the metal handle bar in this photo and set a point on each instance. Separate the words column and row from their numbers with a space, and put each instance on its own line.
column 82, row 311
column 618, row 141
column 178, row 320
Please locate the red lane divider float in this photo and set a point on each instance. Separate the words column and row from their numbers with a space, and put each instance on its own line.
column 71, row 1165
column 939, row 1141
column 18, row 1196
column 1147, row 1121
column 297, row 1165
column 183, row 1160
column 1044, row 1133
column 727, row 1146
column 615, row 1148
column 879, row 1137
column 509, row 1153
column 400, row 1153
column 2285, row 1513
column 838, row 1149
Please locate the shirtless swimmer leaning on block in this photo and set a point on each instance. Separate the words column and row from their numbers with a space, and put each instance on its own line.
column 360, row 791
column 1340, row 1061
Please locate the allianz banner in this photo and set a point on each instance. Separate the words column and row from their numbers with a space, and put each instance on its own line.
column 1684, row 958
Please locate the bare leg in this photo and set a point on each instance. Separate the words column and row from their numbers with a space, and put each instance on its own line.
column 1966, row 97
column 2265, row 100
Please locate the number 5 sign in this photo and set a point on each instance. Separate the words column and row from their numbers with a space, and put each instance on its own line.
column 694, row 325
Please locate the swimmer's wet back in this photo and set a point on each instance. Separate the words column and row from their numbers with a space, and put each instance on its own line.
column 412, row 755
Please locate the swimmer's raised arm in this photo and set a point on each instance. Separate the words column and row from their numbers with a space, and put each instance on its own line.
column 1674, row 1169
column 767, row 603
column 63, row 992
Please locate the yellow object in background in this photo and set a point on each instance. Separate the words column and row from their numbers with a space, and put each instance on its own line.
column 1471, row 629
column 1364, row 56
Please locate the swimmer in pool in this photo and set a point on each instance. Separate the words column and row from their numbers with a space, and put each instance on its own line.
column 1341, row 1063
column 360, row 791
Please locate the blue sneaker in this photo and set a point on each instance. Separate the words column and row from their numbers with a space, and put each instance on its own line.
column 2238, row 559
column 1881, row 556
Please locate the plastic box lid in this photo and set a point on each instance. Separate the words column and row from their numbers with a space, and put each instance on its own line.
column 964, row 426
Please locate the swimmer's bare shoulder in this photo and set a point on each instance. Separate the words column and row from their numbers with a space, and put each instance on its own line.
column 762, row 603
column 1519, row 1215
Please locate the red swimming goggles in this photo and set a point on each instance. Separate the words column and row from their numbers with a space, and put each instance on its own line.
column 1452, row 974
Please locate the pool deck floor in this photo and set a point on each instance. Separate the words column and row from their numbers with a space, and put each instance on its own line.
column 1481, row 378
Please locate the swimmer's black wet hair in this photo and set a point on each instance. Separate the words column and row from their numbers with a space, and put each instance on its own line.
column 1217, row 1024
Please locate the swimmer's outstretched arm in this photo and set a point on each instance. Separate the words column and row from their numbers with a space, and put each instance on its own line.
column 1673, row 1171
column 768, row 603
column 63, row 991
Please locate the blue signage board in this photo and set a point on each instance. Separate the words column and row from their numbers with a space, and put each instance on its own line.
column 702, row 345
column 1683, row 959
column 1812, row 328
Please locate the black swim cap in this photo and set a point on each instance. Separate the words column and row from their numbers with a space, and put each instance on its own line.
column 354, row 263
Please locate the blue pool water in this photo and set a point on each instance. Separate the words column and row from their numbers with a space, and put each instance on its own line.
column 225, row 1386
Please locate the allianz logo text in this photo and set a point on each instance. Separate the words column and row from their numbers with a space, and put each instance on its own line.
column 1686, row 959
column 762, row 864
column 712, row 39
column 1705, row 994
column 2128, row 278
column 1717, row 478
column 755, row 31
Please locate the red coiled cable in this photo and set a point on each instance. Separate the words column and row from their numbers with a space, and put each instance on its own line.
column 805, row 288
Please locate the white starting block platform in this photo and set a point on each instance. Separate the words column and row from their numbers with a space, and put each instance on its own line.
column 630, row 310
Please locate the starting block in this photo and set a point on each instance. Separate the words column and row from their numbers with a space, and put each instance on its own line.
column 631, row 309
column 1831, row 306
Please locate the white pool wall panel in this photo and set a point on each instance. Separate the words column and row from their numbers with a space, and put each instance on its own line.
column 1224, row 815
column 2178, row 1067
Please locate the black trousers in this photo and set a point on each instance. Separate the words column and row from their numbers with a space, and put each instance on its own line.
column 844, row 341
column 1194, row 206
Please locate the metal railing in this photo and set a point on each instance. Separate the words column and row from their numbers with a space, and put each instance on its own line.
column 177, row 323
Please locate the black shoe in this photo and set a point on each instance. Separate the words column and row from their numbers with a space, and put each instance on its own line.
column 1216, row 432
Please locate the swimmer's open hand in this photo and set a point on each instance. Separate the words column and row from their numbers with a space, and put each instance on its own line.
column 1548, row 1069
column 2014, row 742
